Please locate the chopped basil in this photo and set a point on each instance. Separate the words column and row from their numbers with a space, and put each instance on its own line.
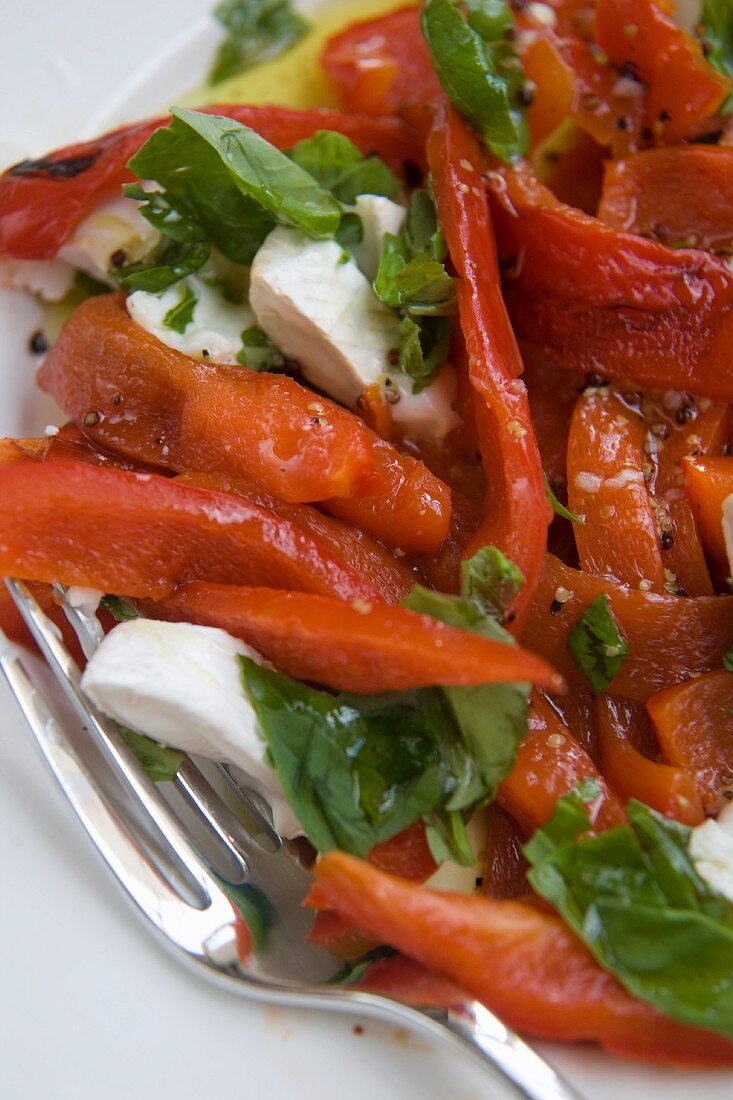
column 160, row 764
column 336, row 163
column 351, row 229
column 118, row 607
column 596, row 644
column 257, row 31
column 633, row 896
column 179, row 317
column 258, row 352
column 478, row 69
column 447, row 838
column 558, row 508
column 728, row 660
column 423, row 348
column 716, row 18
column 422, row 232
column 258, row 912
column 490, row 579
column 418, row 284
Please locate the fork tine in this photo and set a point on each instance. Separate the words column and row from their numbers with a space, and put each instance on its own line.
column 105, row 736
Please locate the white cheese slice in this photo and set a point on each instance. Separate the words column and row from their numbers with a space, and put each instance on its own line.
column 180, row 684
column 215, row 330
column 430, row 414
column 318, row 307
column 379, row 215
column 115, row 226
column 50, row 280
column 711, row 850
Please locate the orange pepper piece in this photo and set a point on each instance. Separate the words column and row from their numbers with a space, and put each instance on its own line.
column 708, row 482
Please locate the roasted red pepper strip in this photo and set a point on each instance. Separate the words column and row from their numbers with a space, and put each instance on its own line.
column 591, row 298
column 708, row 482
column 517, row 514
column 140, row 534
column 42, row 202
column 156, row 405
column 669, row 637
column 522, row 963
column 679, row 196
column 619, row 536
column 550, row 762
column 505, row 868
column 142, row 399
column 682, row 87
column 670, row 791
column 694, row 725
column 382, row 66
column 356, row 646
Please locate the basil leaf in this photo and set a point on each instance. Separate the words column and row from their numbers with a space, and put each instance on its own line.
column 257, row 911
column 558, row 508
column 118, row 607
column 422, row 232
column 478, row 71
column 356, row 769
column 447, row 838
column 258, row 353
column 491, row 580
column 596, row 644
column 424, row 346
column 336, row 163
column 418, row 284
column 160, row 764
column 261, row 173
column 258, row 30
column 351, row 229
column 635, row 899
column 728, row 660
column 173, row 261
column 179, row 316
column 492, row 19
column 717, row 19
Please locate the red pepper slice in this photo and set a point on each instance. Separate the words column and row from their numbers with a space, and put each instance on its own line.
column 591, row 298
column 359, row 646
column 42, row 201
column 517, row 514
column 550, row 762
column 682, row 87
column 682, row 195
column 139, row 534
column 669, row 790
column 708, row 482
column 522, row 963
column 669, row 637
column 694, row 724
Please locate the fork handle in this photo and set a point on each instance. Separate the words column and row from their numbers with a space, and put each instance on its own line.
column 475, row 1030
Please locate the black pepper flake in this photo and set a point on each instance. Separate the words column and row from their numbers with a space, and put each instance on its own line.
column 646, row 134
column 684, row 413
column 622, row 123
column 91, row 419
column 667, row 540
column 509, row 617
column 118, row 258
column 315, row 420
column 38, row 342
column 555, row 606
column 664, row 116
column 682, row 592
column 117, row 399
column 158, row 441
column 393, row 358
column 629, row 70
column 479, row 881
column 413, row 173
column 358, row 1029
column 525, row 95
column 205, row 353
column 595, row 380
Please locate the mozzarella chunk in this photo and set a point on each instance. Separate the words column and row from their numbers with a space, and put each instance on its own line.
column 379, row 215
column 116, row 226
column 50, row 280
column 181, row 685
column 215, row 328
column 430, row 414
column 711, row 850
column 86, row 600
column 322, row 312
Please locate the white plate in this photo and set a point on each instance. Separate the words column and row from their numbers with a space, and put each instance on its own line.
column 90, row 1008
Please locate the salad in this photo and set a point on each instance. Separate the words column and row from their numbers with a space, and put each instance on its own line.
column 393, row 453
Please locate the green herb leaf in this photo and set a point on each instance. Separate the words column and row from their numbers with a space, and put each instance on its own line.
column 160, row 764
column 478, row 70
column 118, row 607
column 717, row 19
column 558, row 508
column 336, row 163
column 179, row 316
column 258, row 30
column 88, row 287
column 257, row 911
column 634, row 897
column 351, row 230
column 258, row 352
column 356, row 769
column 596, row 644
column 445, row 832
column 424, row 345
column 491, row 580
column 422, row 232
column 418, row 284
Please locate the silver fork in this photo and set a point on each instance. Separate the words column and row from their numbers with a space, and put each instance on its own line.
column 182, row 879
